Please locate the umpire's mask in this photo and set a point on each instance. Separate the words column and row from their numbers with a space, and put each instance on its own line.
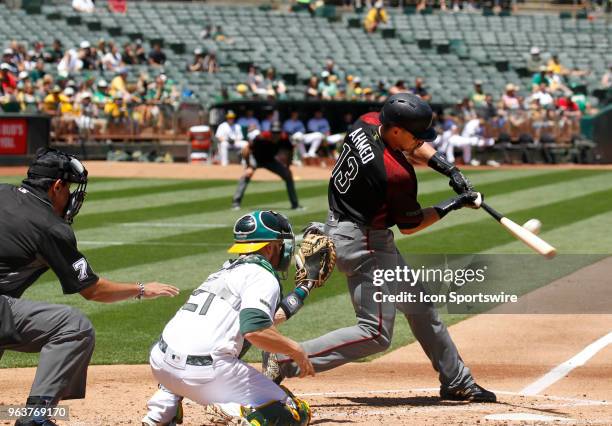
column 53, row 164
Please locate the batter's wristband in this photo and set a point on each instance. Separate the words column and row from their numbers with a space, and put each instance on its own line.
column 440, row 164
column 445, row 207
column 291, row 304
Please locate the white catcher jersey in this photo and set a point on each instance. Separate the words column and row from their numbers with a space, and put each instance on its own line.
column 209, row 322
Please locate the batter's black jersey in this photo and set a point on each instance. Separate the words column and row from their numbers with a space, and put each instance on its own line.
column 34, row 239
column 371, row 184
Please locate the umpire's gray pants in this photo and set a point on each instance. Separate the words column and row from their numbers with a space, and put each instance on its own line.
column 360, row 252
column 65, row 339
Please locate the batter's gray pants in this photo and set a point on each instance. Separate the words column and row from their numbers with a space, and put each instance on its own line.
column 65, row 339
column 360, row 252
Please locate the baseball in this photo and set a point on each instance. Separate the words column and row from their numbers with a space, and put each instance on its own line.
column 533, row 225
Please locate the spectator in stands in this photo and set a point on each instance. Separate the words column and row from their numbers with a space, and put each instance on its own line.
column 327, row 86
column 8, row 82
column 465, row 109
column 566, row 103
column 606, row 78
column 330, row 67
column 27, row 98
column 156, row 56
column 381, row 91
column 275, row 86
column 554, row 66
column 510, row 100
column 116, row 112
column 478, row 95
column 398, row 87
column 312, row 88
column 535, row 60
column 56, row 53
column 355, row 91
column 211, row 65
column 86, row 56
column 128, row 56
column 542, row 76
column 242, row 91
column 140, row 52
column 119, row 82
column 542, row 96
column 375, row 17
column 197, row 63
column 229, row 136
column 255, row 82
column 487, row 110
column 70, row 63
column 101, row 96
column 83, row 6
column 112, row 59
column 420, row 90
column 39, row 71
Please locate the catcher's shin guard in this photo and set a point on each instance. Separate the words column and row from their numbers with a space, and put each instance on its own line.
column 293, row 412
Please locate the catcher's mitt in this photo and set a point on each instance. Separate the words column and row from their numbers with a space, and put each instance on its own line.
column 315, row 261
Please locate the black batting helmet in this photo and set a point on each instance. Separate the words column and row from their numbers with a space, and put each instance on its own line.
column 409, row 112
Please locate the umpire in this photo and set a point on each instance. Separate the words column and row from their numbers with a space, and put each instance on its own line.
column 261, row 152
column 35, row 235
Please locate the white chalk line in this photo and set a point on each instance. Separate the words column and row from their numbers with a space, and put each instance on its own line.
column 564, row 368
column 173, row 225
column 146, row 243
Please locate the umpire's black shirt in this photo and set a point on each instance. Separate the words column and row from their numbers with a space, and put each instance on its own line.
column 34, row 239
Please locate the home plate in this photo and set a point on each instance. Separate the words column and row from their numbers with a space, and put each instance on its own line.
column 527, row 417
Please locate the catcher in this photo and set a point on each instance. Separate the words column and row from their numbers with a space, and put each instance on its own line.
column 198, row 354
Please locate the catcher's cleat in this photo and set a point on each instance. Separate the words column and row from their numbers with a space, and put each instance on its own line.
column 270, row 367
column 216, row 415
column 176, row 420
column 471, row 393
column 31, row 422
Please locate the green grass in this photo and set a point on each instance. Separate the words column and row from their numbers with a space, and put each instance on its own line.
column 177, row 232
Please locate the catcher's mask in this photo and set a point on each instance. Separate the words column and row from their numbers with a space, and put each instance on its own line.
column 255, row 230
column 53, row 164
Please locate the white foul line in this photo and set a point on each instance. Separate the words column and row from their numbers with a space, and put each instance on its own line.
column 563, row 369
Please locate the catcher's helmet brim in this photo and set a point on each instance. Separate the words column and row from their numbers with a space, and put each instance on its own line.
column 251, row 247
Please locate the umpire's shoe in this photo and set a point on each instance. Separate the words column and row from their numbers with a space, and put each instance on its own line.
column 270, row 367
column 471, row 393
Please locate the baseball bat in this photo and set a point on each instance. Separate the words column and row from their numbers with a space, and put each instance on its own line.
column 527, row 237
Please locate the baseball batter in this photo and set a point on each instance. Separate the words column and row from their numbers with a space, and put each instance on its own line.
column 198, row 354
column 372, row 188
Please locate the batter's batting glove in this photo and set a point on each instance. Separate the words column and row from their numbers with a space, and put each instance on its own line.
column 459, row 182
column 313, row 228
column 467, row 199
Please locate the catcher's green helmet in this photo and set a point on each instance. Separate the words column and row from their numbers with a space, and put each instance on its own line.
column 257, row 229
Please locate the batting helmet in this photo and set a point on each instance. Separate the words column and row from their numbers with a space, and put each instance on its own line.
column 257, row 229
column 409, row 112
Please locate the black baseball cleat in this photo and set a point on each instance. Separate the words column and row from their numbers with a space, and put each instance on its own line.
column 31, row 422
column 471, row 393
